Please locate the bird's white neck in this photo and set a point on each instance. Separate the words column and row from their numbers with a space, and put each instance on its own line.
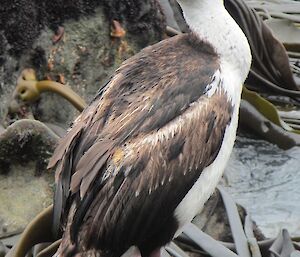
column 210, row 21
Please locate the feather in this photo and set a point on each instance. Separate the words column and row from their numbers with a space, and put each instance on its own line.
column 64, row 145
column 88, row 179
column 96, row 154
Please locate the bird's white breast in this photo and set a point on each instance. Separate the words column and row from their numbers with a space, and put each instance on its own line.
column 194, row 200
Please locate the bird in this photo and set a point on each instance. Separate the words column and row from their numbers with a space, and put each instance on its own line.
column 145, row 155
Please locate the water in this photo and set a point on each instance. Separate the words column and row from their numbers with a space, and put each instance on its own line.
column 266, row 181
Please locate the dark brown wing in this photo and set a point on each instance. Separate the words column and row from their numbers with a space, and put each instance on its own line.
column 136, row 205
column 153, row 123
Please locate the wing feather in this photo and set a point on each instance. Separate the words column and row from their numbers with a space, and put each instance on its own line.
column 147, row 128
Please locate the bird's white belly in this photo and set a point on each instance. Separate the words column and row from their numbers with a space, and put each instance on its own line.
column 194, row 200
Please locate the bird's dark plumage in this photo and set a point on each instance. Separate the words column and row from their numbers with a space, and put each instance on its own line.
column 137, row 149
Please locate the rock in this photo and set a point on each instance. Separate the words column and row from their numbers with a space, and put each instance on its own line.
column 26, row 188
column 24, row 141
column 86, row 55
column 23, row 195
